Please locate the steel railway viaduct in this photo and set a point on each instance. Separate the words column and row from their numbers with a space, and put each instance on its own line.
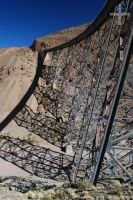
column 84, row 92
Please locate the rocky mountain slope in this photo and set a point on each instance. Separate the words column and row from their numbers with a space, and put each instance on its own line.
column 17, row 70
column 18, row 66
column 57, row 38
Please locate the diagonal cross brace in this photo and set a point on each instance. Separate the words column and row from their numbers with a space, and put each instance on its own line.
column 114, row 108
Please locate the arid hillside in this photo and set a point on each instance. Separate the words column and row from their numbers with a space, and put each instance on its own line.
column 18, row 66
column 17, row 70
column 57, row 38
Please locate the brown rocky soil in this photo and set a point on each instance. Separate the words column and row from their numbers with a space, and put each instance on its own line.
column 45, row 190
column 58, row 38
column 17, row 70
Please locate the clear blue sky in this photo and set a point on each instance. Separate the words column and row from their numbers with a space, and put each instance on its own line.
column 21, row 21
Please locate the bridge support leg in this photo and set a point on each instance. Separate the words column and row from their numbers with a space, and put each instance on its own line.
column 114, row 108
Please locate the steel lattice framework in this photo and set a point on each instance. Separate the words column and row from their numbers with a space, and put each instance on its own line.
column 84, row 91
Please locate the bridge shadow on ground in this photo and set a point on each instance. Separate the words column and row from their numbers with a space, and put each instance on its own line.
column 36, row 160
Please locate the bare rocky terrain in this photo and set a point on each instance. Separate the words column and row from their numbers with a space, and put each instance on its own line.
column 17, row 70
column 13, row 188
column 18, row 67
column 57, row 38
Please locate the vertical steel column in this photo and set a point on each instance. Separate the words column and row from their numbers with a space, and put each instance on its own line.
column 114, row 107
column 88, row 120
